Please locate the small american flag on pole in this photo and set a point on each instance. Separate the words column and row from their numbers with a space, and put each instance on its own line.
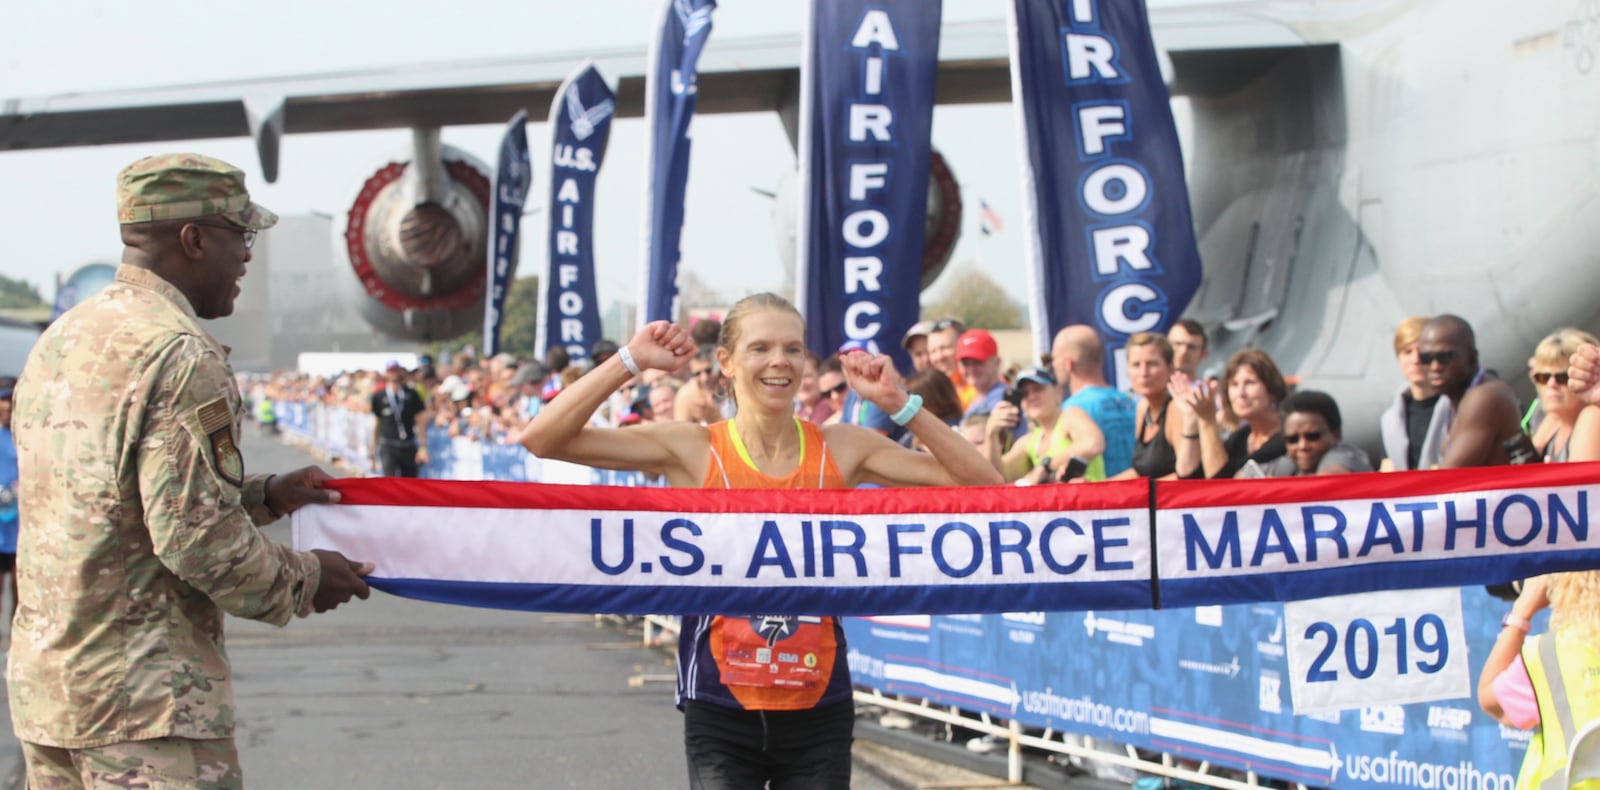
column 989, row 221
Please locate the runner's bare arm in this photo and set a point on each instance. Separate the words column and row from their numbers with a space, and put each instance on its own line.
column 561, row 430
column 865, row 457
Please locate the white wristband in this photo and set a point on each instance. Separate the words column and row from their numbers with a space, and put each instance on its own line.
column 627, row 361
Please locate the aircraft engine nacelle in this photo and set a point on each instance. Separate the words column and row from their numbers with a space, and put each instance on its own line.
column 415, row 237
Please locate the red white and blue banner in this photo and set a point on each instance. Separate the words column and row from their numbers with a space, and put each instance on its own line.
column 667, row 551
column 1120, row 545
column 671, row 92
column 1111, row 242
column 866, row 114
column 512, row 178
column 580, row 124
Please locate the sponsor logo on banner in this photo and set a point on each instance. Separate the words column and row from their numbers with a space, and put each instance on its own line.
column 1517, row 738
column 1119, row 631
column 1230, row 669
column 1449, row 723
column 866, row 116
column 1208, row 615
column 1269, row 696
column 1023, row 627
column 1387, row 719
column 580, row 126
column 961, row 624
column 1273, row 646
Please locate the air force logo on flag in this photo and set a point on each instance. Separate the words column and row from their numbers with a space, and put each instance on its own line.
column 693, row 19
column 584, row 120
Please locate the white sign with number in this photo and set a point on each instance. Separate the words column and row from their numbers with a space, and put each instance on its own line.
column 1390, row 648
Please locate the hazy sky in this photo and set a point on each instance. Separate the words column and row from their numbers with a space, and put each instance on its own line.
column 57, row 211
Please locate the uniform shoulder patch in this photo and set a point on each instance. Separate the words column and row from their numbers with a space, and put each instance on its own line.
column 214, row 415
column 216, row 419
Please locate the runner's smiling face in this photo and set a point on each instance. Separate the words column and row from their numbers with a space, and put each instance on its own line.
column 768, row 359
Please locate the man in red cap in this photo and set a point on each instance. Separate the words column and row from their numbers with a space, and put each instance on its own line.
column 979, row 357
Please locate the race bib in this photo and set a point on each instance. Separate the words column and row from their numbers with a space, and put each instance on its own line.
column 774, row 652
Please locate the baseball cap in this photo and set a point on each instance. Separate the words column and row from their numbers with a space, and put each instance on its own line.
column 1038, row 376
column 869, row 346
column 530, row 372
column 187, row 186
column 603, row 348
column 393, row 365
column 919, row 329
column 977, row 344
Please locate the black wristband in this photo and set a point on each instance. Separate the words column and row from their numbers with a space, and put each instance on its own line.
column 264, row 497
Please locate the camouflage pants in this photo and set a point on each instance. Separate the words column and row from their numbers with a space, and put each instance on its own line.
column 146, row 765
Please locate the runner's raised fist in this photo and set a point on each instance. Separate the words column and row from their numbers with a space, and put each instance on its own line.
column 661, row 345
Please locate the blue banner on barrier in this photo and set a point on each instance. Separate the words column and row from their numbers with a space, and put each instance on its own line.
column 580, row 124
column 1208, row 684
column 670, row 93
column 1111, row 242
column 512, row 178
column 866, row 113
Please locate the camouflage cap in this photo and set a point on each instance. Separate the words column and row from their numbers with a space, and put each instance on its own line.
column 185, row 186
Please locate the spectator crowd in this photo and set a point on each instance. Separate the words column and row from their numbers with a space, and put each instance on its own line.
column 1054, row 421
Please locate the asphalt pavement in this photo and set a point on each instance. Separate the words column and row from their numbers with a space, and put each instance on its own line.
column 394, row 693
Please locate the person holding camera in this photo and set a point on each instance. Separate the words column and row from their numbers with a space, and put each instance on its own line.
column 979, row 357
column 1063, row 445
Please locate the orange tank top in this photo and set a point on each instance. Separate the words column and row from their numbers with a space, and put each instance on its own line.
column 731, row 467
column 765, row 663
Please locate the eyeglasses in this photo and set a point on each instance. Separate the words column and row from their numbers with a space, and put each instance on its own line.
column 1308, row 436
column 1426, row 358
column 1543, row 377
column 840, row 389
column 248, row 234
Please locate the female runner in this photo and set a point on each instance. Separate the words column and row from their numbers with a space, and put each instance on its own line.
column 744, row 725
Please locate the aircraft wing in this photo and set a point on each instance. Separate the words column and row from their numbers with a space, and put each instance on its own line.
column 736, row 75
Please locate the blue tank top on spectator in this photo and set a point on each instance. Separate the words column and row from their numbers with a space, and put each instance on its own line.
column 1113, row 411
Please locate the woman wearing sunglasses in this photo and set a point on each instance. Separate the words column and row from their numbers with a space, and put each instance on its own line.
column 1569, row 429
column 1312, row 435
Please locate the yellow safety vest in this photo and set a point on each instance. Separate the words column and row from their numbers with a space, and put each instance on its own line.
column 1565, row 671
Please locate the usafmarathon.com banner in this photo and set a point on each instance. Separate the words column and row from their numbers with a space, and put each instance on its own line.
column 1036, row 603
column 1207, row 684
column 866, row 116
column 1110, row 243
column 580, row 125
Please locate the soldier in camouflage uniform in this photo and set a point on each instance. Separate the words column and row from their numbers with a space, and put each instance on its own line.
column 139, row 524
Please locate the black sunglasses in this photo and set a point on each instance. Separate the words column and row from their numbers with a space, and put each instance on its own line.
column 1543, row 377
column 1309, row 436
column 838, row 390
column 248, row 234
column 1426, row 358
